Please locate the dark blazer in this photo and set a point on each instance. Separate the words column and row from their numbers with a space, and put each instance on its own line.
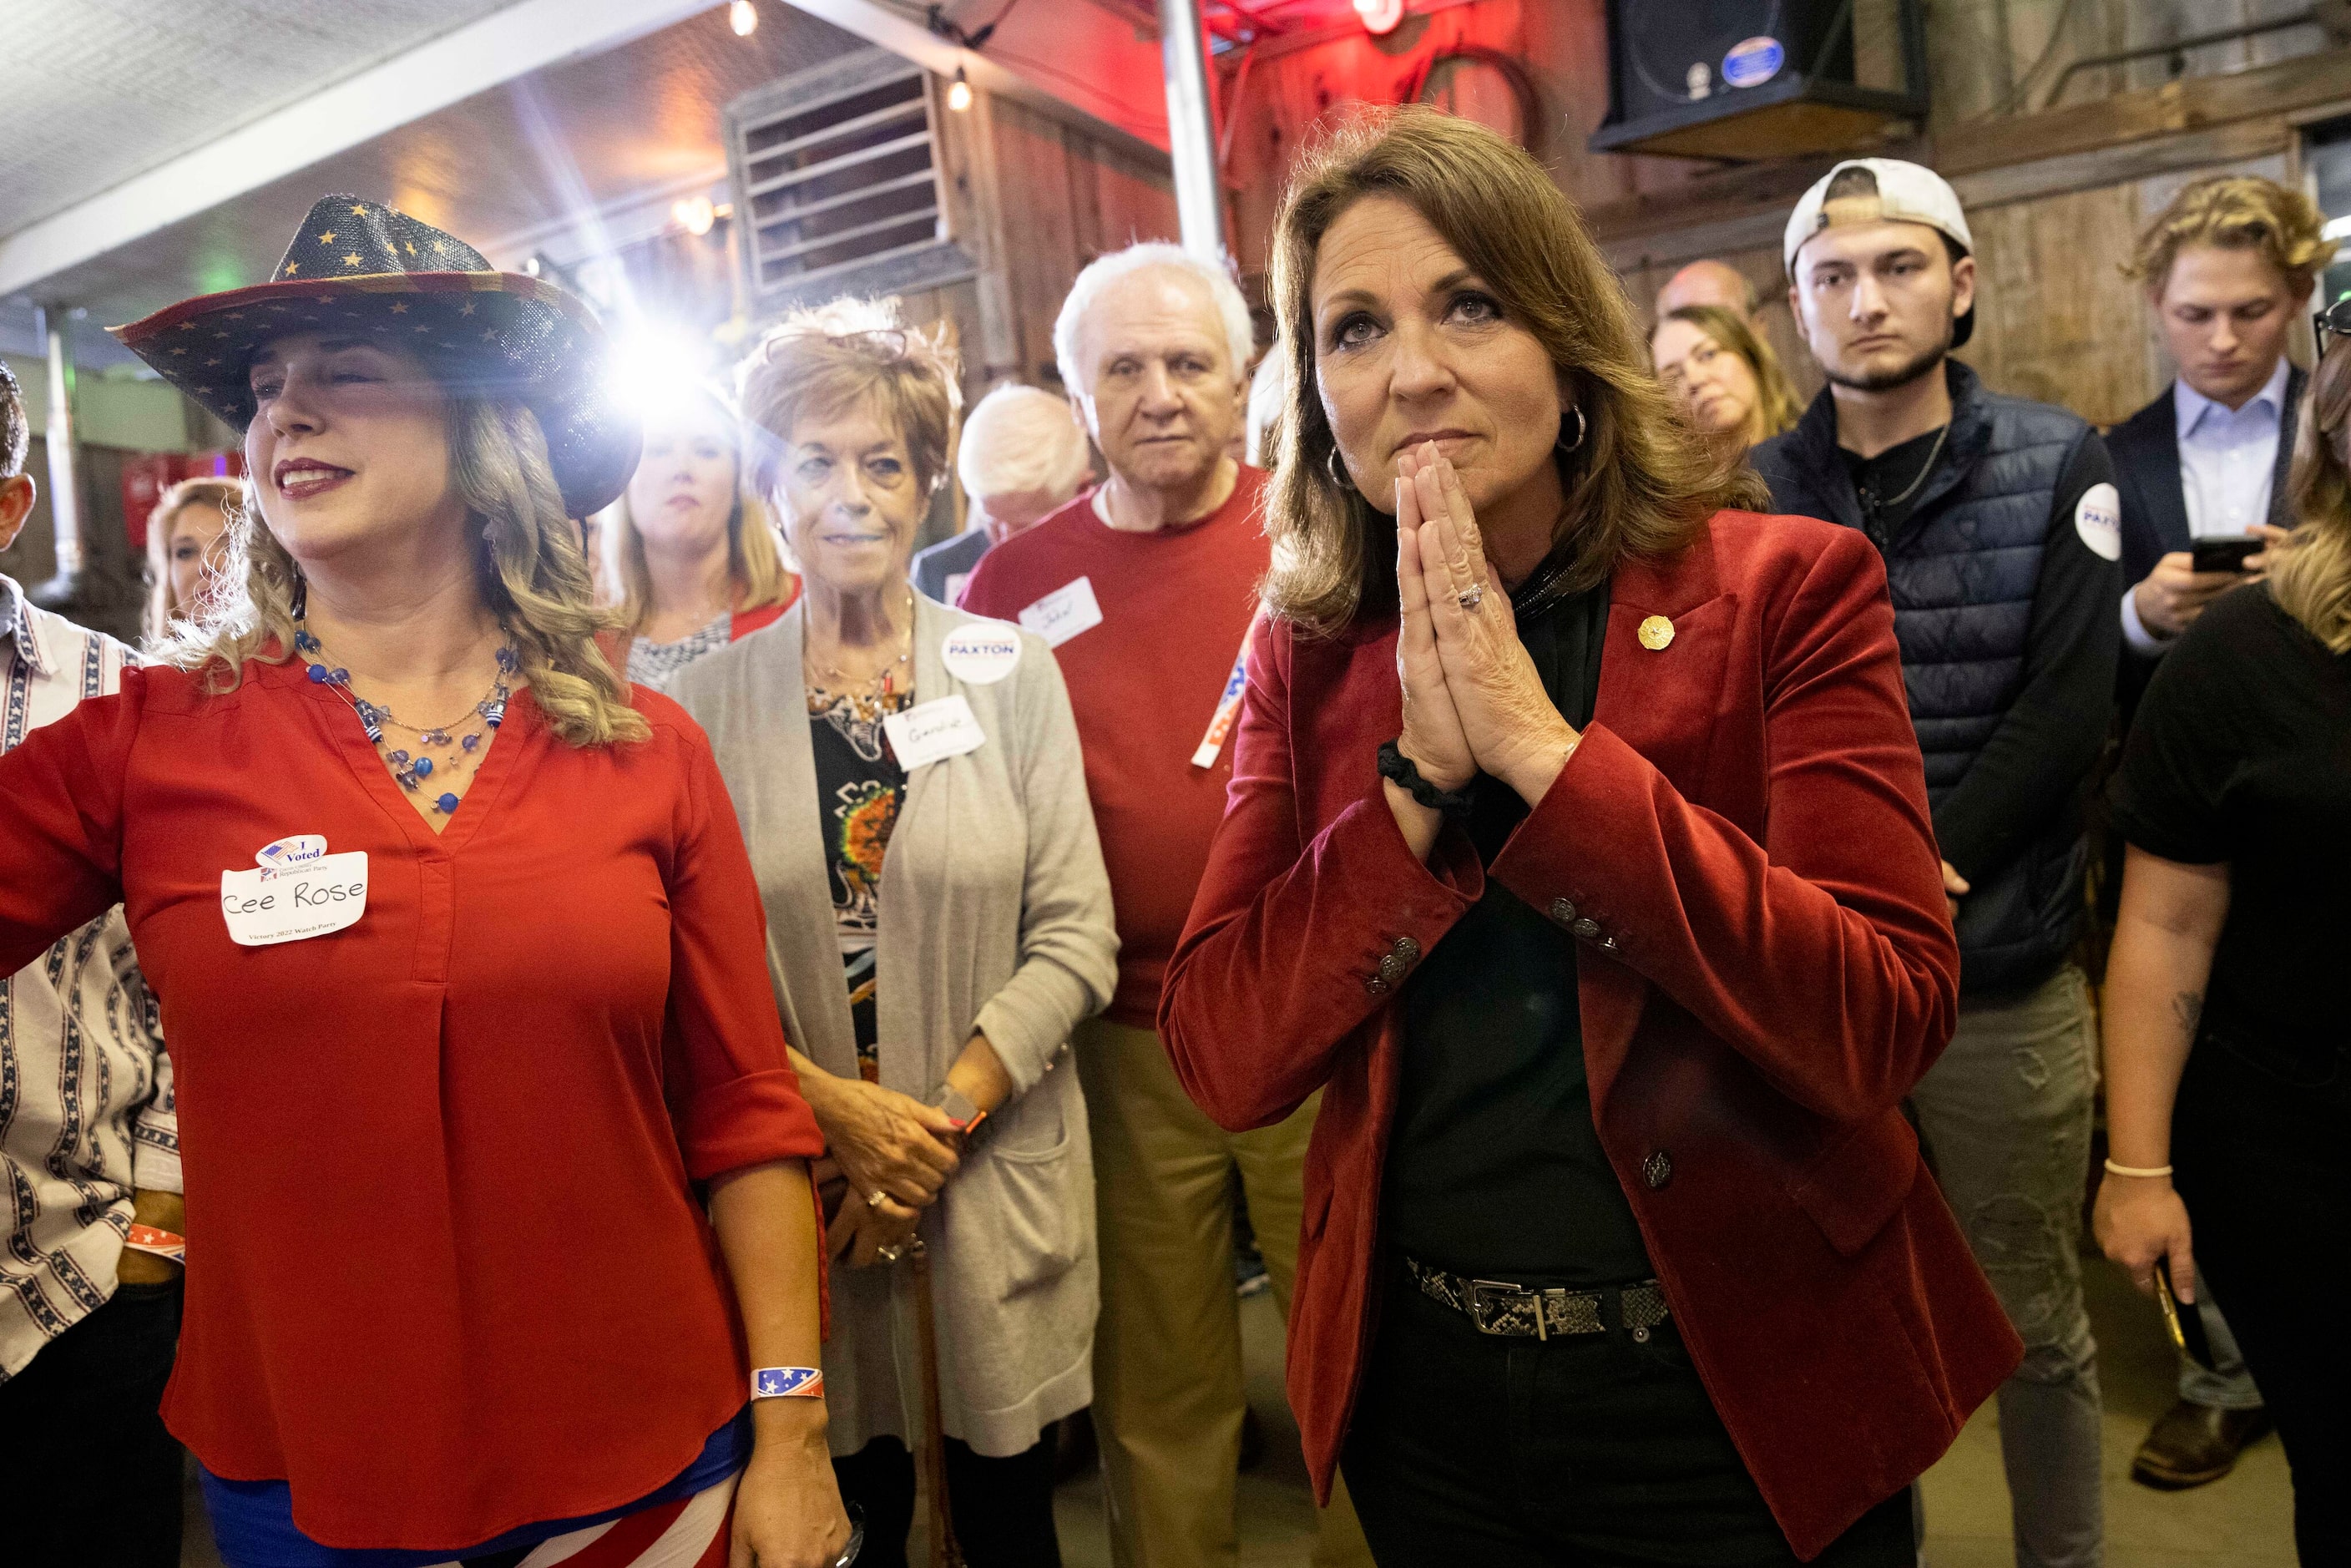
column 1742, row 844
column 2146, row 451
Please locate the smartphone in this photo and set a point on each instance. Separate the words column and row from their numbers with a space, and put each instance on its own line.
column 2224, row 554
column 2186, row 1323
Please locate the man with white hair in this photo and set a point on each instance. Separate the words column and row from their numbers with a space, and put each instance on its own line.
column 1146, row 587
column 1020, row 458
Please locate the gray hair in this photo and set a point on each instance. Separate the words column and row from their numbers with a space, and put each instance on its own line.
column 1019, row 439
column 1232, row 311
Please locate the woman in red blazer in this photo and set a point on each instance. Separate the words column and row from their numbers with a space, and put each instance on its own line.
column 1578, row 851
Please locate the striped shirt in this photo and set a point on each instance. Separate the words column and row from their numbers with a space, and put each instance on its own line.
column 85, row 1111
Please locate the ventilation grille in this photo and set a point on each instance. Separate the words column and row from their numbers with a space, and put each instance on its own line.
column 838, row 173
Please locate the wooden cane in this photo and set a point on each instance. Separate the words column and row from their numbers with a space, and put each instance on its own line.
column 945, row 1552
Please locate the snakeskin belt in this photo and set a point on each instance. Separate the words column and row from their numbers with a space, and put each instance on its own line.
column 1517, row 1312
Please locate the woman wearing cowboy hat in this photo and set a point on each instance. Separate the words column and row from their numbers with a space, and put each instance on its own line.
column 460, row 957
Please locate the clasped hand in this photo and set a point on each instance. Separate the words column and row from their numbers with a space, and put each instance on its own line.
column 1472, row 699
column 895, row 1153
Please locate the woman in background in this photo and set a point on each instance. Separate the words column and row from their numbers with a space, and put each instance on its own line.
column 1725, row 375
column 2227, row 1055
column 699, row 562
column 187, row 540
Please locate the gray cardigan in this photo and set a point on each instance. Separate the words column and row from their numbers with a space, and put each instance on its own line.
column 995, row 916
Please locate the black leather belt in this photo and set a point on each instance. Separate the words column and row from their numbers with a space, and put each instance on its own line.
column 1517, row 1311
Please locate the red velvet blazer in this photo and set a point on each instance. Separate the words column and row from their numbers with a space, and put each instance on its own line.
column 1741, row 843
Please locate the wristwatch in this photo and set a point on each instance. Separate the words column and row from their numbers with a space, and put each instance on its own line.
column 959, row 1108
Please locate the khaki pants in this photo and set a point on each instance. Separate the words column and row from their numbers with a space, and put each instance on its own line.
column 1168, row 1396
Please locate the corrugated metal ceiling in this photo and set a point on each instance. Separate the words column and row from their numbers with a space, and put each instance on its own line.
column 100, row 91
column 511, row 170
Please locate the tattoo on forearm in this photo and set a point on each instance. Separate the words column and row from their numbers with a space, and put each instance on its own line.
column 2187, row 1007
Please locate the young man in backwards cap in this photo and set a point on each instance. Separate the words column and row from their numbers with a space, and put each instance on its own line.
column 2001, row 529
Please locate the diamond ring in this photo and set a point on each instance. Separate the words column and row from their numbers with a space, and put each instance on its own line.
column 1473, row 596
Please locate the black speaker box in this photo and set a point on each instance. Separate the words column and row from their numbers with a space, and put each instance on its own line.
column 1745, row 80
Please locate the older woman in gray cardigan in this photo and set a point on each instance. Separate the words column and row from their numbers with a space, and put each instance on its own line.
column 910, row 786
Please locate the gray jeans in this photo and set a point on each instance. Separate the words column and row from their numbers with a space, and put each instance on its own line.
column 2005, row 1115
column 2227, row 1385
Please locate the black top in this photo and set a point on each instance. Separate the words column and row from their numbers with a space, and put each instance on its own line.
column 2241, row 753
column 858, row 787
column 1494, row 1168
column 1888, row 486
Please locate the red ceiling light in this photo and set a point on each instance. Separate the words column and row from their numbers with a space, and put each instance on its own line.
column 1380, row 17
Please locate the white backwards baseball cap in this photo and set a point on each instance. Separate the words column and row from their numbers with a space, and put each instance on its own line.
column 1880, row 191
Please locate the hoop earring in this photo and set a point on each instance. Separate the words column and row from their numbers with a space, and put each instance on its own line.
column 1582, row 429
column 1339, row 480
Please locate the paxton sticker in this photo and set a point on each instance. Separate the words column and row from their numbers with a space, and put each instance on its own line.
column 1753, row 61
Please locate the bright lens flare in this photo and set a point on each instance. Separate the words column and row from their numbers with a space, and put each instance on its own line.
column 654, row 371
column 744, row 17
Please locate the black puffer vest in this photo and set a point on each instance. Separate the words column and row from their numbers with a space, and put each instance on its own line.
column 1961, row 570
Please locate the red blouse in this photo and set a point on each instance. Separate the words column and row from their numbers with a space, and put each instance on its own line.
column 447, row 1276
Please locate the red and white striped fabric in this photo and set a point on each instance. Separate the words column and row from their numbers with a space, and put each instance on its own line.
column 689, row 1532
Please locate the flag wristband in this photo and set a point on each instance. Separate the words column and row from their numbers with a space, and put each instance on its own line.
column 788, row 1383
column 165, row 1244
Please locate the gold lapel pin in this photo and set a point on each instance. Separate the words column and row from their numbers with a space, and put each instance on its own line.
column 1657, row 633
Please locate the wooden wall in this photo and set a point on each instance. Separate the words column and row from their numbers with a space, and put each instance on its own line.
column 2055, row 193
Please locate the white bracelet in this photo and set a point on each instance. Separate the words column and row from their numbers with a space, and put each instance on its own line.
column 2149, row 1172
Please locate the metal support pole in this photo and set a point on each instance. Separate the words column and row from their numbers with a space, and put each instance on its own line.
column 65, row 494
column 1191, row 128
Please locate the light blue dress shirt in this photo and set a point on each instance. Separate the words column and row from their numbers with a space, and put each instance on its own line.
column 2227, row 459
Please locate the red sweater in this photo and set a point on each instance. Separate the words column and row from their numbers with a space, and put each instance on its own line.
column 1175, row 606
column 445, row 1273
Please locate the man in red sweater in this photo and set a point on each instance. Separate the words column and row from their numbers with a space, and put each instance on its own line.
column 1146, row 587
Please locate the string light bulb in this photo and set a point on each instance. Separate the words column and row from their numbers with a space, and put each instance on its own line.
column 1380, row 18
column 695, row 214
column 959, row 93
column 744, row 17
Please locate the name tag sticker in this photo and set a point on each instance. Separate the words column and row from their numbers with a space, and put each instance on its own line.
column 269, row 905
column 982, row 654
column 934, row 730
column 2098, row 519
column 1064, row 612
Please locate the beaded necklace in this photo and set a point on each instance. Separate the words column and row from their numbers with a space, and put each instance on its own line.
column 412, row 771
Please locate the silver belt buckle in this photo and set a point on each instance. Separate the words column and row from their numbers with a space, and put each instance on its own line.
column 1499, row 1317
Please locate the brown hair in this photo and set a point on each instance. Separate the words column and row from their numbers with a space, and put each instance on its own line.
column 826, row 361
column 756, row 573
column 2313, row 582
column 223, row 495
column 2236, row 212
column 1639, row 482
column 1777, row 406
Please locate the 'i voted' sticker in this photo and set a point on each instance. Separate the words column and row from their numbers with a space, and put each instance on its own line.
column 1064, row 612
column 981, row 653
column 297, row 892
column 929, row 732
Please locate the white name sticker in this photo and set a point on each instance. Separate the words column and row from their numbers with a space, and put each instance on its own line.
column 982, row 654
column 1064, row 612
column 269, row 905
column 2098, row 519
column 930, row 731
